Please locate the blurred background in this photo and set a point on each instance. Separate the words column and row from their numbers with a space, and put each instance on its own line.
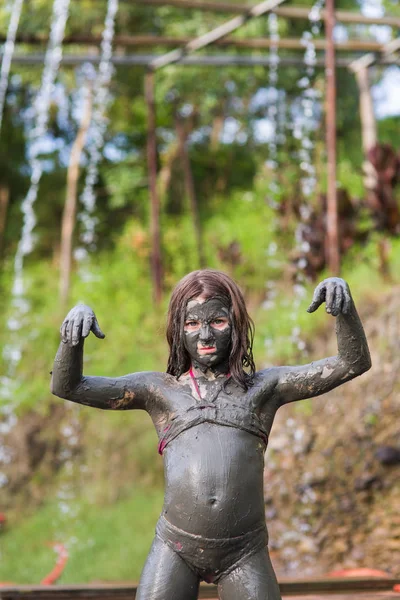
column 114, row 183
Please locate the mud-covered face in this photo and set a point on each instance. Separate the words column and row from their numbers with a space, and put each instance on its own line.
column 207, row 332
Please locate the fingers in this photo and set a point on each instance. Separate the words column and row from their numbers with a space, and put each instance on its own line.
column 71, row 331
column 337, row 306
column 330, row 297
column 64, row 331
column 87, row 325
column 347, row 302
column 75, row 332
column 79, row 322
column 96, row 330
column 338, row 301
column 318, row 298
column 335, row 292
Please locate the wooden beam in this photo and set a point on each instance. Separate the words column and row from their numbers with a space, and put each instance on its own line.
column 387, row 51
column 369, row 134
column 367, row 115
column 360, row 587
column 215, row 34
column 343, row 16
column 360, row 68
column 71, row 197
column 129, row 41
column 224, row 7
column 289, row 12
column 156, row 266
column 392, row 46
column 189, row 186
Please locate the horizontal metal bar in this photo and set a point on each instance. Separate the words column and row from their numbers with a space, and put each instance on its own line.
column 145, row 60
column 255, row 43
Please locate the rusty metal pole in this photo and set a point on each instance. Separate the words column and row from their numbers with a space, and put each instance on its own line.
column 333, row 253
column 156, row 266
column 71, row 197
column 189, row 185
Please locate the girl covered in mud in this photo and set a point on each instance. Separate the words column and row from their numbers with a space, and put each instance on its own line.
column 213, row 414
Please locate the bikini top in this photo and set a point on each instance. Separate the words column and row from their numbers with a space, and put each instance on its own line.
column 223, row 413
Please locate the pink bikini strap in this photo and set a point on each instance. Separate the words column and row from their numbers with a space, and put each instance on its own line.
column 196, row 385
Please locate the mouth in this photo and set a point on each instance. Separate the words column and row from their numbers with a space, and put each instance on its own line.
column 206, row 349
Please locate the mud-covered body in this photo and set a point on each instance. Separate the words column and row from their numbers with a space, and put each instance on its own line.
column 213, row 433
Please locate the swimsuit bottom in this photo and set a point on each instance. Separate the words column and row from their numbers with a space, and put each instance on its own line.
column 209, row 558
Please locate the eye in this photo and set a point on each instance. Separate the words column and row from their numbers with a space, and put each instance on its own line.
column 191, row 325
column 219, row 323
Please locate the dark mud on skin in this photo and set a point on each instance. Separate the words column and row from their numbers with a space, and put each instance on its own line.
column 213, row 434
column 206, row 314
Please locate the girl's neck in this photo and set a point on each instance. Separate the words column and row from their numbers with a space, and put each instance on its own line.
column 209, row 374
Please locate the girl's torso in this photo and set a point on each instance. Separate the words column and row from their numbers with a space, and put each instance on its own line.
column 214, row 481
column 213, row 450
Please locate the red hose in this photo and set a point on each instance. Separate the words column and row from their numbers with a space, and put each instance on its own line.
column 362, row 572
column 59, row 567
column 55, row 573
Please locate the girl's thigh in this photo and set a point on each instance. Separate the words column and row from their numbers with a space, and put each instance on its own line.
column 253, row 579
column 166, row 576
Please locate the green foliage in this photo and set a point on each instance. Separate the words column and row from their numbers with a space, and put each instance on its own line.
column 240, row 234
column 107, row 544
column 388, row 131
column 350, row 178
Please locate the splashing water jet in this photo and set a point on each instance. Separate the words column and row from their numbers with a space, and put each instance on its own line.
column 101, row 101
column 8, row 53
column 19, row 304
column 272, row 110
column 305, row 121
column 89, row 82
column 41, row 107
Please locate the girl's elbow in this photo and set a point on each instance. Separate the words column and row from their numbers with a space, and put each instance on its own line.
column 363, row 365
column 368, row 364
column 54, row 388
column 58, row 390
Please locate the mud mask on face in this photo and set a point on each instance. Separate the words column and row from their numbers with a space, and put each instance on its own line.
column 207, row 333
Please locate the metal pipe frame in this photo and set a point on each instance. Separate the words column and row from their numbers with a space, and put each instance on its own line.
column 145, row 60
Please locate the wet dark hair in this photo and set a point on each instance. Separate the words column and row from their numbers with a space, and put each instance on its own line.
column 210, row 284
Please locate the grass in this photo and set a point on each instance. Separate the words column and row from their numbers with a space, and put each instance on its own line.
column 105, row 543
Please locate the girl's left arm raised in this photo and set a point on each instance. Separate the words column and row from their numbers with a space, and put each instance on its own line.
column 353, row 358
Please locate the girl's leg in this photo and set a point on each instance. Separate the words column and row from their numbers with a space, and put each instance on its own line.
column 166, row 576
column 253, row 579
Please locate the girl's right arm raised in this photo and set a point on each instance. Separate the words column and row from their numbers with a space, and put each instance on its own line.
column 68, row 381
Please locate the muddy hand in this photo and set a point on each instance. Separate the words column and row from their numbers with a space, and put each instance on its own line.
column 78, row 323
column 335, row 292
